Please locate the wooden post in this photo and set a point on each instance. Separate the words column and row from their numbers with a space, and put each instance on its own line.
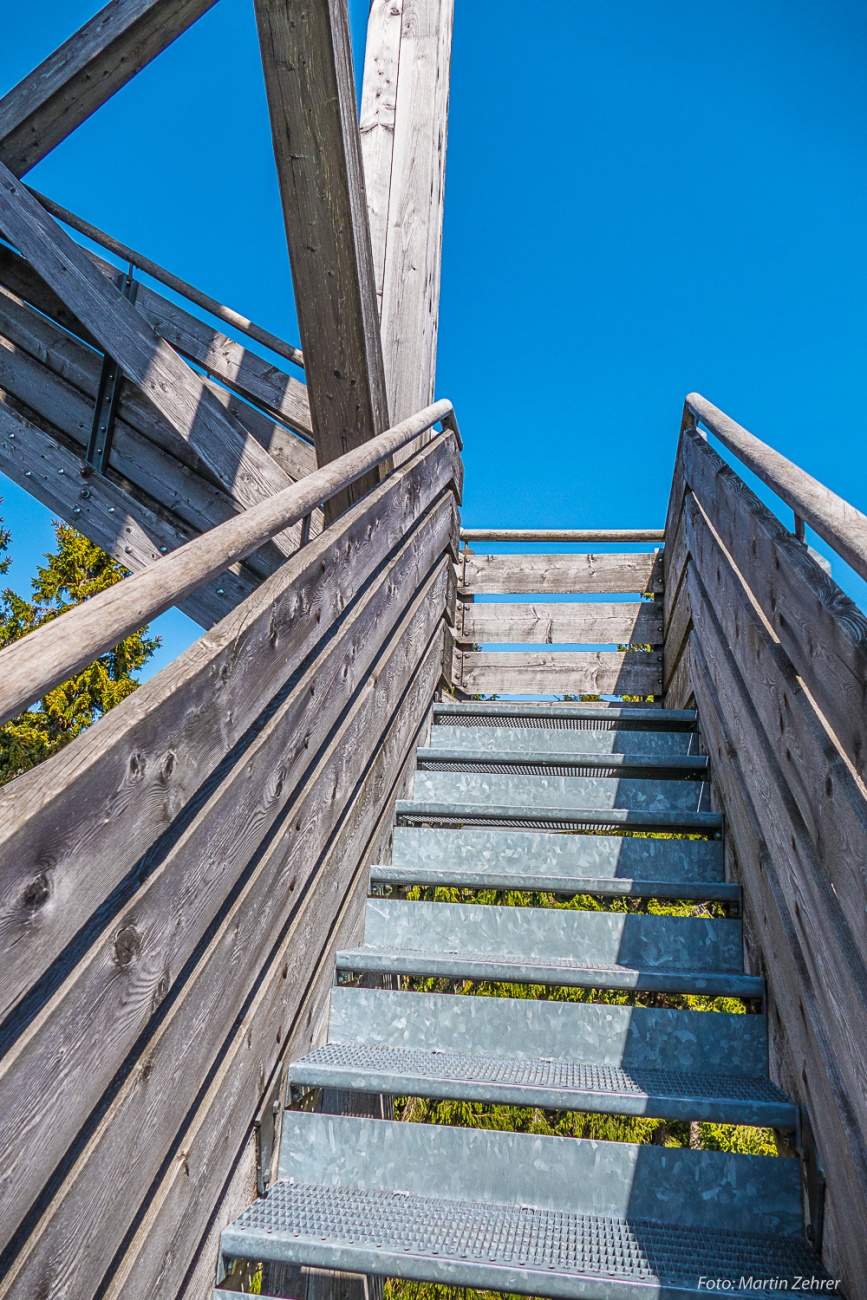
column 404, row 118
column 307, row 60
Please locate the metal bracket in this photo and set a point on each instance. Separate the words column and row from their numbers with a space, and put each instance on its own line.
column 268, row 1126
column 812, row 1182
column 108, row 393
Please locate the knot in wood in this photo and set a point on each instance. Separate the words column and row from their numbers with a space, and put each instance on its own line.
column 127, row 945
column 36, row 893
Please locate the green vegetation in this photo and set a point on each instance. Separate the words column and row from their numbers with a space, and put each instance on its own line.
column 73, row 572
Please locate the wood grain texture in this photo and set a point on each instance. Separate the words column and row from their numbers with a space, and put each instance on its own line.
column 188, row 291
column 307, row 61
column 127, row 530
column 830, row 802
column 246, row 373
column 108, row 1000
column 376, row 122
column 542, row 574
column 193, row 1035
column 580, row 672
column 182, row 397
column 85, row 71
column 840, row 524
column 71, row 829
column 680, row 693
column 593, row 623
column 562, row 535
column 53, row 652
column 811, row 1065
column 413, row 244
column 822, row 630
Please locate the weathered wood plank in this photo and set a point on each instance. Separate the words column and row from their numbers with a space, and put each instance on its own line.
column 240, row 369
column 829, row 799
column 307, row 61
column 54, row 651
column 840, row 524
column 149, row 1261
column 110, row 517
column 580, row 672
column 85, row 71
column 532, row 574
column 57, row 379
column 188, row 291
column 833, row 962
column 413, row 246
column 677, row 631
column 193, row 1035
column 108, row 999
column 562, row 535
column 811, row 1070
column 184, row 399
column 822, row 630
column 376, row 122
column 72, row 828
column 591, row 623
column 680, row 694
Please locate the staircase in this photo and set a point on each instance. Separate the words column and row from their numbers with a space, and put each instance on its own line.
column 559, row 800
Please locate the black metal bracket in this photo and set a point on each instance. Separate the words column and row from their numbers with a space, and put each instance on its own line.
column 812, row 1182
column 268, row 1125
column 108, row 393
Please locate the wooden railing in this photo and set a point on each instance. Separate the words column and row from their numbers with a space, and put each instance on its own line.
column 175, row 882
column 774, row 655
column 487, row 631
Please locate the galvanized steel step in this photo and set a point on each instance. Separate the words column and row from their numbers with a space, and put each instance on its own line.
column 560, row 863
column 477, row 713
column 591, row 792
column 416, row 812
column 555, row 947
column 509, row 1211
column 510, row 739
column 538, row 761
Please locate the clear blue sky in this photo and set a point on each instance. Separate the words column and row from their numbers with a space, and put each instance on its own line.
column 641, row 199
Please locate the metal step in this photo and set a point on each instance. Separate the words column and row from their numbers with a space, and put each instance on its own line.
column 555, row 947
column 507, row 739
column 593, row 792
column 557, row 863
column 539, row 761
column 560, row 1056
column 417, row 812
column 522, row 714
column 558, row 1217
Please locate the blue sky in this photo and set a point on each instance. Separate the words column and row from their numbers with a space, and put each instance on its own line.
column 641, row 199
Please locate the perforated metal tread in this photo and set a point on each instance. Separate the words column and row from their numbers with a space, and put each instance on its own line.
column 554, row 1085
column 574, row 763
column 424, row 812
column 489, row 877
column 540, row 790
column 620, row 717
column 501, row 735
column 510, row 1248
column 468, row 966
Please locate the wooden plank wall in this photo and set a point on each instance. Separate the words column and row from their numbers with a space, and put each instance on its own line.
column 774, row 655
column 156, row 493
column 174, row 885
column 483, row 664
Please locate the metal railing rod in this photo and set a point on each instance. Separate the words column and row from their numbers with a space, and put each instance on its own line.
column 562, row 534
column 53, row 653
column 174, row 282
column 840, row 524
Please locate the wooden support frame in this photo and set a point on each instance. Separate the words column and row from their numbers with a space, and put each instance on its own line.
column 404, row 126
column 307, row 61
column 103, row 55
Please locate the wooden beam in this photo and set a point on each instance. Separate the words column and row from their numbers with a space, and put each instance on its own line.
column 183, row 398
column 578, row 672
column 404, row 124
column 307, row 60
column 85, row 71
column 581, row 574
column 567, row 623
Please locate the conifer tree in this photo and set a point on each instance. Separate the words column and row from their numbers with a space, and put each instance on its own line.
column 73, row 572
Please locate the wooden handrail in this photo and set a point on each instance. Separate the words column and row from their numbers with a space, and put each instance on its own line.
column 53, row 653
column 562, row 534
column 840, row 524
column 188, row 291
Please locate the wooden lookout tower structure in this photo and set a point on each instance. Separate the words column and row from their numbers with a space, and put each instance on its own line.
column 320, row 861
